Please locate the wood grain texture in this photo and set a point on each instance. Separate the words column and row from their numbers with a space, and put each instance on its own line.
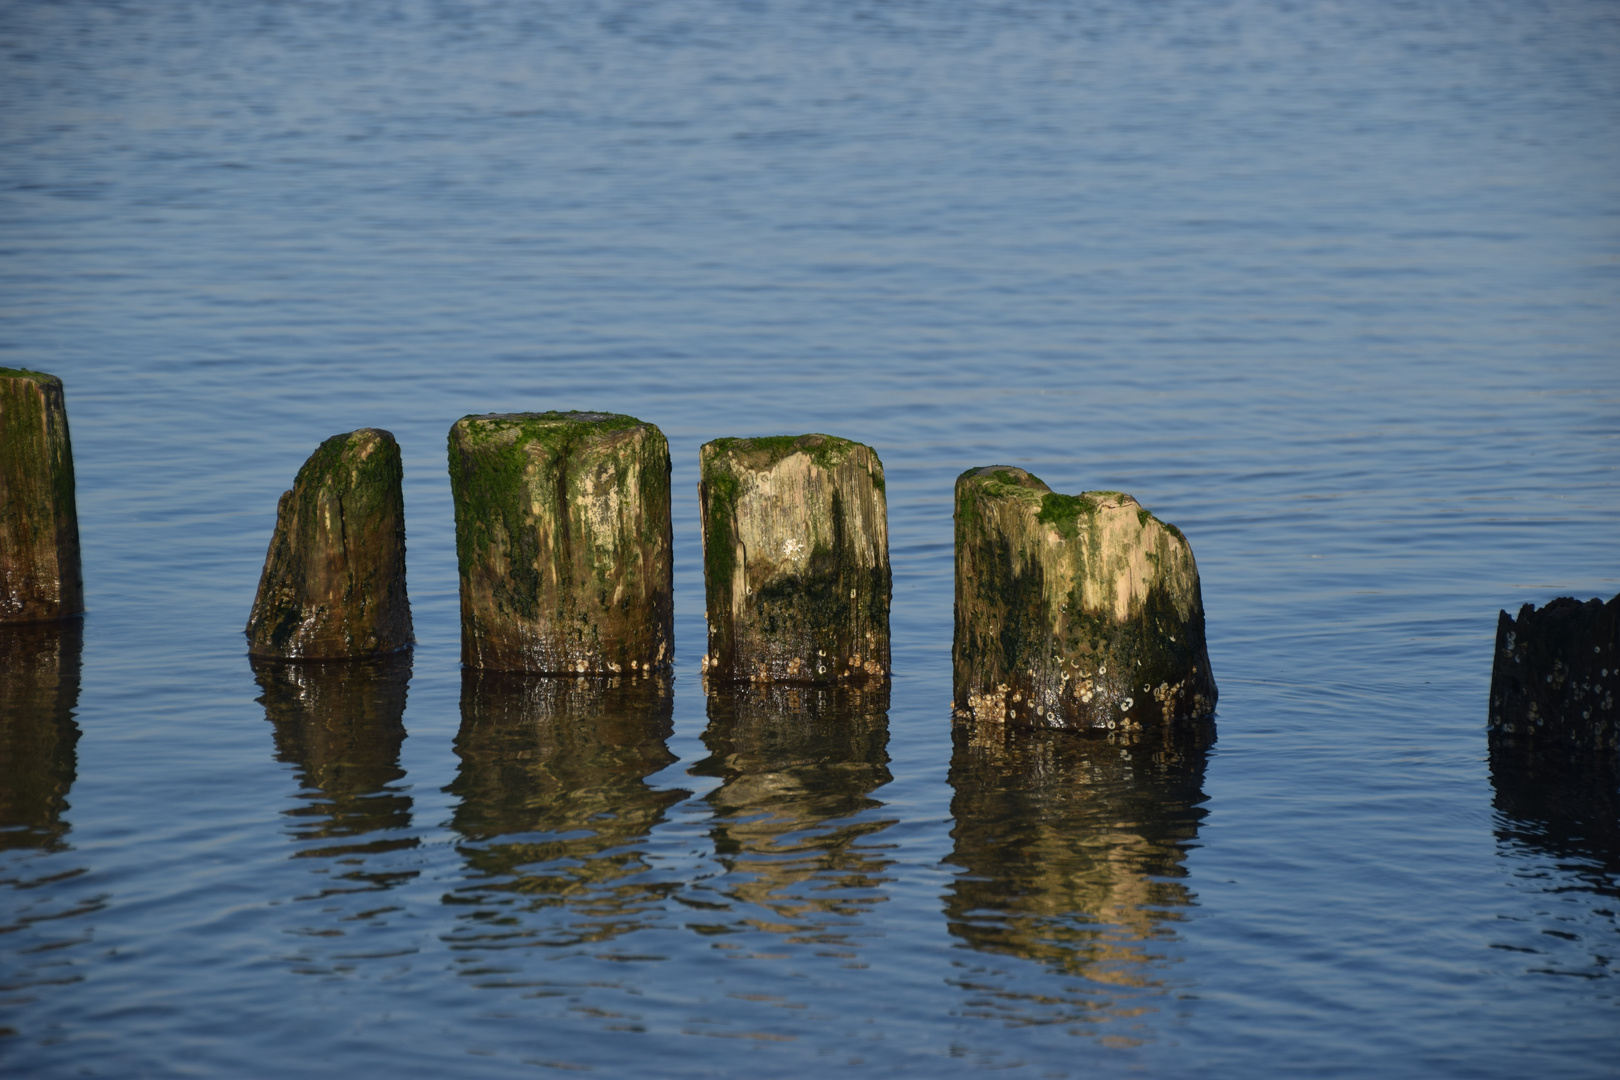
column 333, row 585
column 795, row 560
column 564, row 543
column 40, row 576
column 1079, row 612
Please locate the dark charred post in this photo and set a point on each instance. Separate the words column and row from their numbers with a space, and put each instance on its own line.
column 333, row 586
column 795, row 560
column 39, row 520
column 39, row 690
column 1075, row 611
column 1554, row 683
column 564, row 542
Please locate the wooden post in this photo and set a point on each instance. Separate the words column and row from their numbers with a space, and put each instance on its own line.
column 564, row 542
column 1555, row 686
column 795, row 560
column 1074, row 611
column 39, row 521
column 333, row 585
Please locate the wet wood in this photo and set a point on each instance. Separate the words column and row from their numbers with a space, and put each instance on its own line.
column 795, row 560
column 1554, row 685
column 333, row 585
column 564, row 543
column 1080, row 612
column 39, row 521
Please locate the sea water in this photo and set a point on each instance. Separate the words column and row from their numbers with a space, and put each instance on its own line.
column 1330, row 286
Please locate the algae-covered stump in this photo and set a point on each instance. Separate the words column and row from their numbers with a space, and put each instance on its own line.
column 564, row 543
column 1074, row 611
column 795, row 559
column 334, row 578
column 1554, row 684
column 39, row 522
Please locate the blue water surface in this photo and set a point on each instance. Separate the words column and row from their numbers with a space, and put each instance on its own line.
column 1330, row 286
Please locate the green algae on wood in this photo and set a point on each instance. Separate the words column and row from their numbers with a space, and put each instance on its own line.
column 795, row 559
column 333, row 585
column 564, row 543
column 1554, row 685
column 1074, row 611
column 39, row 521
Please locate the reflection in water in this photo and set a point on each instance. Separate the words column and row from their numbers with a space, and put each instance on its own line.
column 1560, row 829
column 39, row 689
column 43, row 894
column 554, row 797
column 341, row 724
column 793, row 822
column 1072, row 851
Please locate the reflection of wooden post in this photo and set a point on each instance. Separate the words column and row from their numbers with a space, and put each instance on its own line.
column 39, row 521
column 554, row 801
column 1074, row 611
column 795, row 559
column 795, row 823
column 342, row 725
column 1555, row 685
column 39, row 689
column 334, row 578
column 564, row 541
column 1072, row 850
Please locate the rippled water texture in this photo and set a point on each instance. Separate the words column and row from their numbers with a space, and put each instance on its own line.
column 1329, row 286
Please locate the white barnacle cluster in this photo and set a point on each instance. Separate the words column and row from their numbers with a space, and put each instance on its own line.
column 992, row 706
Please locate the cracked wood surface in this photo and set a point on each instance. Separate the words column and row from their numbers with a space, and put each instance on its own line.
column 564, row 543
column 333, row 585
column 39, row 522
column 795, row 560
column 1079, row 612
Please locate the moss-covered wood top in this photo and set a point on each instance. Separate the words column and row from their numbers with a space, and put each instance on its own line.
column 32, row 376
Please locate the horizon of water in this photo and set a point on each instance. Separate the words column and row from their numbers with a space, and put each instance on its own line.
column 1330, row 287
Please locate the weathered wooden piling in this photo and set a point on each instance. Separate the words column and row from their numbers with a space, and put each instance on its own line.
column 564, row 543
column 795, row 559
column 1554, row 685
column 333, row 585
column 39, row 520
column 1074, row 611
